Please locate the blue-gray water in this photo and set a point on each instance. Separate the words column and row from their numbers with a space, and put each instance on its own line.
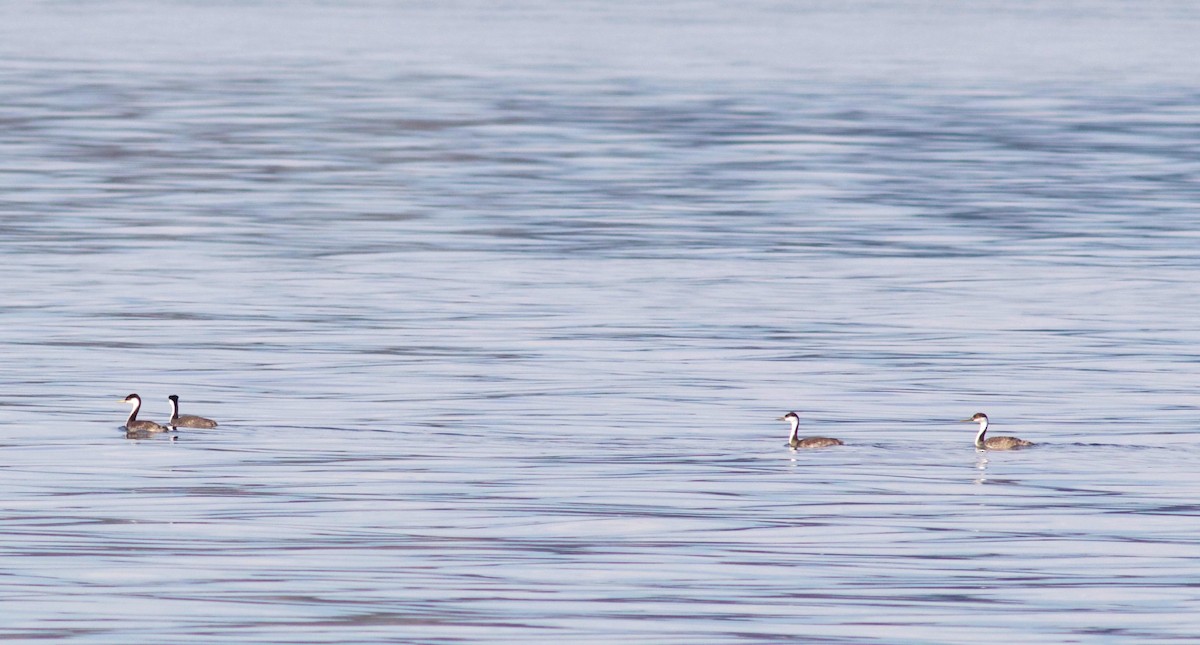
column 497, row 304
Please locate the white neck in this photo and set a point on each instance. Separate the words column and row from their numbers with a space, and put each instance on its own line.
column 983, row 424
column 174, row 408
column 133, row 413
column 795, row 427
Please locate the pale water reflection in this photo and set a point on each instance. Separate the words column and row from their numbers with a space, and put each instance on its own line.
column 497, row 306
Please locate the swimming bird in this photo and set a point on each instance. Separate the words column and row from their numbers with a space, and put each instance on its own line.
column 135, row 426
column 187, row 420
column 994, row 443
column 808, row 442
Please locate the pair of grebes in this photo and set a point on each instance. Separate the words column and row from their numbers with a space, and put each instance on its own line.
column 135, row 426
column 981, row 441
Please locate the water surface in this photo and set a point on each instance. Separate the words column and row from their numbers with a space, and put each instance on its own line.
column 497, row 305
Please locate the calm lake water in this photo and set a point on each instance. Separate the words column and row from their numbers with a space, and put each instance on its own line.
column 497, row 304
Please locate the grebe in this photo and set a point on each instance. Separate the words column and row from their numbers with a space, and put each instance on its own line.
column 133, row 425
column 808, row 442
column 994, row 443
column 187, row 420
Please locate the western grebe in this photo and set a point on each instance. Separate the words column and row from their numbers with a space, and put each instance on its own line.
column 133, row 425
column 187, row 420
column 808, row 442
column 994, row 443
